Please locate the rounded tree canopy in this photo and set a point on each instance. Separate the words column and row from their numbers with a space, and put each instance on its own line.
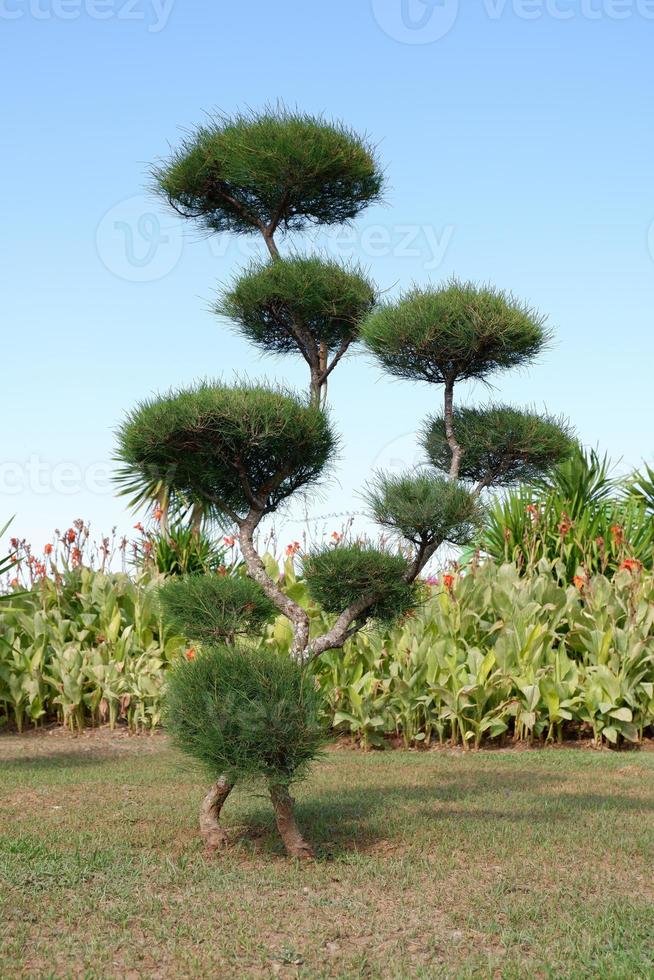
column 454, row 332
column 501, row 445
column 338, row 577
column 212, row 608
column 241, row 448
column 269, row 169
column 424, row 508
column 298, row 304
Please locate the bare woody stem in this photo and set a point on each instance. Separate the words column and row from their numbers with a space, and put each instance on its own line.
column 256, row 570
column 283, row 805
column 212, row 833
column 448, row 417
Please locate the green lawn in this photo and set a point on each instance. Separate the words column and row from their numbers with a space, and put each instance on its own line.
column 502, row 864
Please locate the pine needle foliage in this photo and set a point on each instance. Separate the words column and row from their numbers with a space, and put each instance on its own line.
column 272, row 168
column 338, row 577
column 214, row 608
column 245, row 713
column 237, row 447
column 454, row 332
column 299, row 303
column 424, row 508
column 501, row 445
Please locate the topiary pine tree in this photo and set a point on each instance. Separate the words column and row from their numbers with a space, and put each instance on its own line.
column 245, row 450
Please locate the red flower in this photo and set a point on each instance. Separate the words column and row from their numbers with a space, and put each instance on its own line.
column 48, row 549
column 14, row 542
column 190, row 653
column 448, row 582
column 336, row 536
column 76, row 556
column 292, row 549
column 14, row 583
column 631, row 565
column 70, row 535
column 230, row 541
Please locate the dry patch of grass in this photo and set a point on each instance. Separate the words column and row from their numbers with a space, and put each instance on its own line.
column 432, row 864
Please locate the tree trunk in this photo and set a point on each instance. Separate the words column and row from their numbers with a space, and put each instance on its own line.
column 294, row 842
column 212, row 833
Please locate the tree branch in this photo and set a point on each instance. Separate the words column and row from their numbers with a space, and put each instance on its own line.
column 257, row 571
column 448, row 418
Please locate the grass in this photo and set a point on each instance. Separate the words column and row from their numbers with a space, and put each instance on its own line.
column 493, row 864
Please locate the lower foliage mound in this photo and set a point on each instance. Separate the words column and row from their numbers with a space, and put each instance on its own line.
column 245, row 713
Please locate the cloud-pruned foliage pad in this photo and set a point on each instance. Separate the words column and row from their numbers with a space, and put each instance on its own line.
column 454, row 332
column 245, row 713
column 501, row 445
column 230, row 445
column 337, row 577
column 287, row 304
column 271, row 168
column 212, row 608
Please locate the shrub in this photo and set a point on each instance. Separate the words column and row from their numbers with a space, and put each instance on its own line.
column 245, row 713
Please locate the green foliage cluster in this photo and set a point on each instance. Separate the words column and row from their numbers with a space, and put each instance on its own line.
column 88, row 648
column 501, row 445
column 452, row 333
column 424, row 508
column 245, row 713
column 337, row 577
column 578, row 515
column 498, row 655
column 214, row 608
column 270, row 168
column 294, row 303
column 234, row 446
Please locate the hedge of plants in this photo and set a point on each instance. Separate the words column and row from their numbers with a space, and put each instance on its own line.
column 492, row 654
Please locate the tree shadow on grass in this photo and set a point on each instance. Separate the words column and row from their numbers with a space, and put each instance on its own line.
column 391, row 817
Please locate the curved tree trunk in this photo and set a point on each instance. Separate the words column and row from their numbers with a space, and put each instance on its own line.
column 283, row 804
column 212, row 833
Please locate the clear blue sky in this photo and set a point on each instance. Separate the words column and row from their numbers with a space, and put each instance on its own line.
column 519, row 145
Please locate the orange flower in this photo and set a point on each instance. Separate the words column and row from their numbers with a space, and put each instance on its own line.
column 14, row 583
column 230, row 541
column 565, row 526
column 631, row 565
column 579, row 582
column 448, row 582
column 336, row 536
column 70, row 535
column 190, row 653
column 292, row 549
column 617, row 533
column 138, row 527
column 158, row 513
column 48, row 549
